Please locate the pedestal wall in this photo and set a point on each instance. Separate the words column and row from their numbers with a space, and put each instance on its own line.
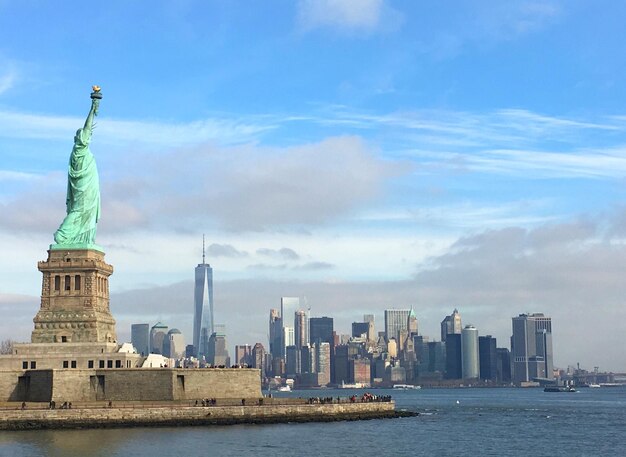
column 74, row 298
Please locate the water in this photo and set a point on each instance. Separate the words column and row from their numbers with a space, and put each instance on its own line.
column 484, row 422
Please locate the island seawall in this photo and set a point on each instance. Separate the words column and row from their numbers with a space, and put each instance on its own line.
column 183, row 415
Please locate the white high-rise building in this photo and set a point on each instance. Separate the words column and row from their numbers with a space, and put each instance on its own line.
column 203, row 318
column 469, row 352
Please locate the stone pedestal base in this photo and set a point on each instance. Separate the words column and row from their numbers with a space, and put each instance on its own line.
column 74, row 299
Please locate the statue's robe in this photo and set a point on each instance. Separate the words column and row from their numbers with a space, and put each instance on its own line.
column 83, row 195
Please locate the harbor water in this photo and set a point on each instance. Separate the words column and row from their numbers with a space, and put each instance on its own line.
column 452, row 422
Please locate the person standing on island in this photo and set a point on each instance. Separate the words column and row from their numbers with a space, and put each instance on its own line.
column 83, row 187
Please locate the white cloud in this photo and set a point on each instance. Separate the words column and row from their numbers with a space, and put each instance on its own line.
column 258, row 188
column 361, row 15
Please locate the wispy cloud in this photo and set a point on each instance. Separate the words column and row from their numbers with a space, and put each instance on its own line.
column 467, row 215
column 312, row 266
column 507, row 20
column 156, row 134
column 225, row 250
column 9, row 175
column 507, row 141
column 8, row 80
column 346, row 15
column 283, row 253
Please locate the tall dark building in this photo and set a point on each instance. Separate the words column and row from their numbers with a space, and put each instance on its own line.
column 503, row 365
column 437, row 357
column 140, row 338
column 360, row 328
column 487, row 358
column 291, row 360
column 307, row 359
column 454, row 358
column 321, row 329
column 342, row 356
column 275, row 337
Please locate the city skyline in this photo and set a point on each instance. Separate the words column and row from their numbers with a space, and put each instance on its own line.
column 468, row 156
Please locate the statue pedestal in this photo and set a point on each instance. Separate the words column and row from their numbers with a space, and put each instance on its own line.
column 77, row 246
column 74, row 298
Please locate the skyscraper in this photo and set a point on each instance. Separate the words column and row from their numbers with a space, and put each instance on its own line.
column 140, row 338
column 276, row 332
column 503, row 365
column 360, row 328
column 243, row 354
column 203, row 318
column 258, row 358
column 451, row 325
column 301, row 335
column 411, row 323
column 469, row 349
column 322, row 362
column 488, row 358
column 531, row 347
column 217, row 352
column 174, row 344
column 454, row 364
column 158, row 332
column 395, row 321
column 321, row 329
column 301, row 328
column 288, row 308
column 369, row 318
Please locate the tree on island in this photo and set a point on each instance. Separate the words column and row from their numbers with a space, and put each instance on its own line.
column 6, row 346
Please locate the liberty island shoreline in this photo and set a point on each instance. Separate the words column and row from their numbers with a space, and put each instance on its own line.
column 140, row 414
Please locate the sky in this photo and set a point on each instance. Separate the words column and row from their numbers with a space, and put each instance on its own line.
column 364, row 154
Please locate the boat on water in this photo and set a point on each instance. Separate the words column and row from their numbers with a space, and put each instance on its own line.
column 355, row 385
column 595, row 386
column 559, row 389
column 286, row 388
column 406, row 387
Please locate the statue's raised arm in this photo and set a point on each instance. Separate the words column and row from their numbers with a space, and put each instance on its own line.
column 78, row 229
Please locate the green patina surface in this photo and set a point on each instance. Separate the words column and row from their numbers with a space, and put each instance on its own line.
column 70, row 246
column 78, row 229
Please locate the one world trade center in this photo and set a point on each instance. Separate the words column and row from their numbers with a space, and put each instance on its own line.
column 203, row 325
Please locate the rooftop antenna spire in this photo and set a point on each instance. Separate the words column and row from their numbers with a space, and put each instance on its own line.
column 203, row 253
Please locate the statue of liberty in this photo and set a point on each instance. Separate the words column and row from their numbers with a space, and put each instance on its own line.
column 78, row 229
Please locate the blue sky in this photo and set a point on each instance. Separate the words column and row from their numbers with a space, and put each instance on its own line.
column 366, row 154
